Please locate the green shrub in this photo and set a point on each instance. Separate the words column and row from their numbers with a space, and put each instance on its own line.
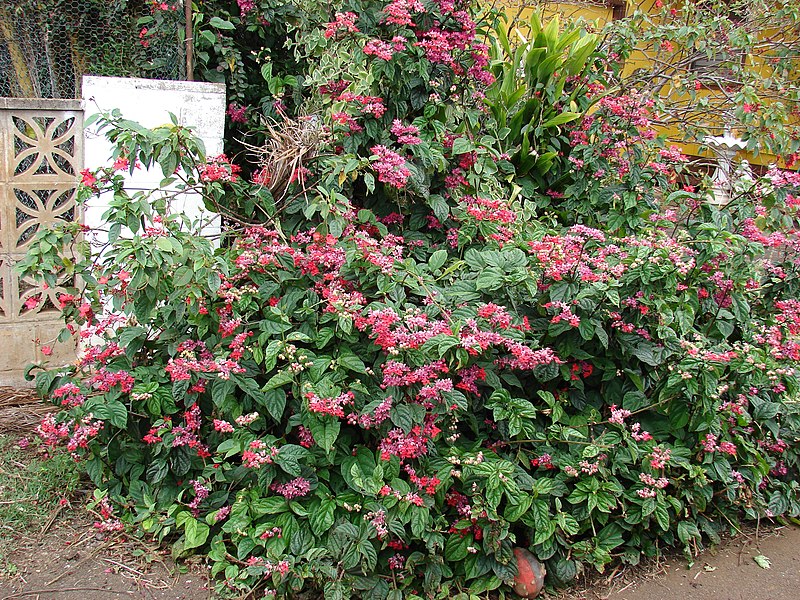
column 407, row 371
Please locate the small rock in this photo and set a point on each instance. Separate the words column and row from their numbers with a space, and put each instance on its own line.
column 530, row 574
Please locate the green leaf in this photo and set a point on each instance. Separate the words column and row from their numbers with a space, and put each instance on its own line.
column 183, row 275
column 441, row 210
column 196, row 534
column 419, row 520
column 351, row 362
column 565, row 117
column 221, row 23
column 456, row 547
column 321, row 516
column 325, row 431
column 275, row 403
column 778, row 503
column 437, row 260
column 279, row 380
column 462, row 145
column 114, row 412
column 662, row 516
column 762, row 561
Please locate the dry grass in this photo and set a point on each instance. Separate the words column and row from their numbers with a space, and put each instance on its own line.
column 21, row 410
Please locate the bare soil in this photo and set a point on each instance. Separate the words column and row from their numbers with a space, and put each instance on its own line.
column 72, row 561
column 728, row 572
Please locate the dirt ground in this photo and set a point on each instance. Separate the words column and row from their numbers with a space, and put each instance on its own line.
column 727, row 573
column 73, row 562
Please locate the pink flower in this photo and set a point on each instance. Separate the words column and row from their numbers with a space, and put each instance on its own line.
column 222, row 426
column 405, row 134
column 246, row 6
column 329, row 406
column 379, row 48
column 398, row 12
column 659, row 457
column 344, row 22
column 295, row 488
column 391, row 167
column 258, row 455
column 618, row 415
column 639, row 435
column 646, row 493
column 709, row 443
column 121, row 164
column 88, row 179
column 47, row 350
column 237, row 113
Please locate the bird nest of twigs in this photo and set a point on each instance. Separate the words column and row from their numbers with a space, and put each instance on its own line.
column 291, row 145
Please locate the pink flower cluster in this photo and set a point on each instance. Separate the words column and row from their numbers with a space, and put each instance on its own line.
column 201, row 492
column 77, row 434
column 295, row 488
column 409, row 445
column 219, row 168
column 424, row 483
column 565, row 313
column 103, row 380
column 69, row 394
column 710, row 444
column 370, row 421
column 381, row 253
column 344, row 22
column 406, row 134
column 390, row 166
column 369, row 105
column 469, row 378
column 237, row 113
column 188, row 434
column 398, row 374
column 398, row 12
column 108, row 522
column 258, row 454
column 343, row 118
column 498, row 316
column 194, row 357
column 379, row 49
column 410, row 497
column 618, row 415
column 246, row 6
column 659, row 457
column 653, row 485
column 484, row 209
column 222, row 426
column 638, row 434
column 329, row 406
column 378, row 520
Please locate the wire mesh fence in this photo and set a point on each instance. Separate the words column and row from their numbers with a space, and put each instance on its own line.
column 46, row 46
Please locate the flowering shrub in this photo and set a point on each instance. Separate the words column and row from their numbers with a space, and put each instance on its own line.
column 387, row 387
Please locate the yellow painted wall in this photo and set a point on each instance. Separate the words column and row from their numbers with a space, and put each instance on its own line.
column 597, row 15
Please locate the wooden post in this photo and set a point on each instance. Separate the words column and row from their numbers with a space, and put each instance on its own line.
column 187, row 11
